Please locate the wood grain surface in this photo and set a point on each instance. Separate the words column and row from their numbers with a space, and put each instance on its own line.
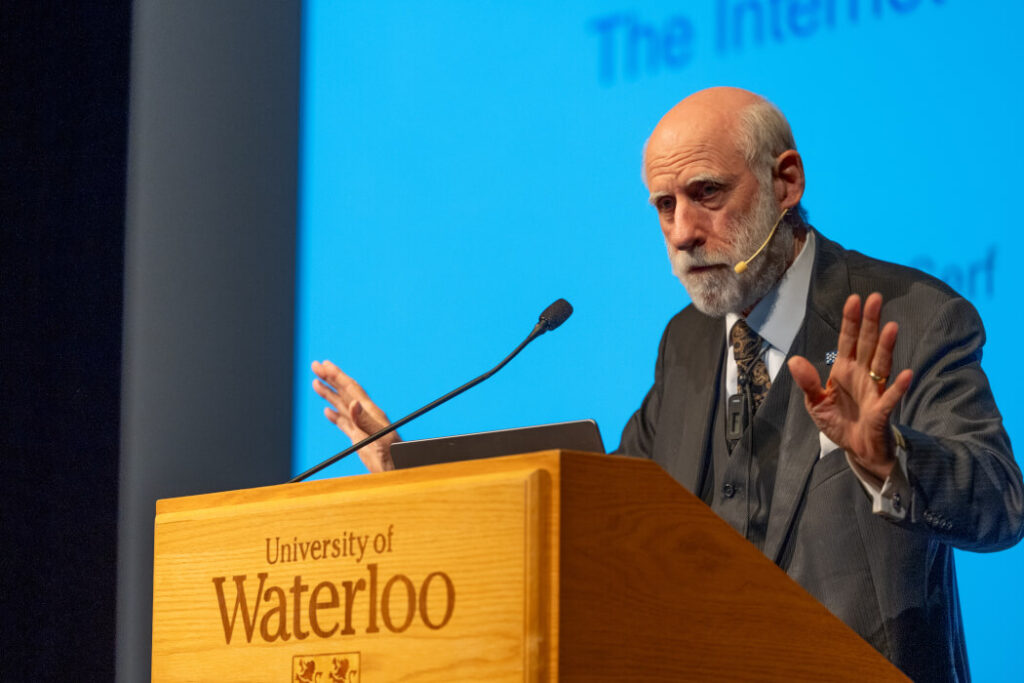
column 656, row 587
column 481, row 530
column 563, row 566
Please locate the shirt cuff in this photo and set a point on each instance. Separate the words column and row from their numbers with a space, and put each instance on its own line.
column 890, row 498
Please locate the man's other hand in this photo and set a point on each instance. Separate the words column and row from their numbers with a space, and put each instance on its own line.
column 354, row 413
column 854, row 406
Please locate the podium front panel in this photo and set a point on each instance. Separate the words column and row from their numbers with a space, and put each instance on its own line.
column 420, row 581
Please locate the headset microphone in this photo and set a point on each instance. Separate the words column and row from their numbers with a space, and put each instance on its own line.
column 742, row 265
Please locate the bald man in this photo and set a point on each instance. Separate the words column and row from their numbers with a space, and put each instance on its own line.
column 859, row 488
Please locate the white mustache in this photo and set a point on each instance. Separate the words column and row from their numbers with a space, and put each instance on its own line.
column 686, row 260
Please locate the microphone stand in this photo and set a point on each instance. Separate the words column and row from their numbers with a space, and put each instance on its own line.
column 549, row 320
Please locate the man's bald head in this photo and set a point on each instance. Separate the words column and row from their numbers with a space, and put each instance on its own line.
column 714, row 113
column 731, row 119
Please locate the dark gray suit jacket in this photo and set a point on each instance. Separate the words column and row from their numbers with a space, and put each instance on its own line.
column 893, row 583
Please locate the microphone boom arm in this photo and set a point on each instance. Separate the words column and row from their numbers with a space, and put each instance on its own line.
column 542, row 326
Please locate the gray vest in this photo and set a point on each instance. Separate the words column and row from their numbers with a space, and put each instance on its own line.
column 739, row 485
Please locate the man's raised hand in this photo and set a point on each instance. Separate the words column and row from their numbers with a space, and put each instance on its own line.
column 354, row 413
column 854, row 406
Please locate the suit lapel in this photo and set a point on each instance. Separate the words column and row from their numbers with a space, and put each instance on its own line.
column 799, row 448
column 692, row 420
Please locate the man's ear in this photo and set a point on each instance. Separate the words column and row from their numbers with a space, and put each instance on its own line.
column 788, row 179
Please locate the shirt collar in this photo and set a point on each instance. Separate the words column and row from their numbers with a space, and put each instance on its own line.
column 778, row 316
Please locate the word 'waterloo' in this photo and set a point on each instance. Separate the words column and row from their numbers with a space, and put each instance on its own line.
column 396, row 605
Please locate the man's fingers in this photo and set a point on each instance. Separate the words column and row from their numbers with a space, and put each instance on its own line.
column 888, row 400
column 881, row 364
column 331, row 414
column 806, row 377
column 318, row 371
column 327, row 378
column 868, row 337
column 340, row 409
column 326, row 392
column 850, row 329
column 338, row 379
column 347, row 388
column 338, row 419
column 343, row 422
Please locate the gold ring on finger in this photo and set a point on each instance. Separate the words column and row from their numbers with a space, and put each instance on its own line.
column 876, row 378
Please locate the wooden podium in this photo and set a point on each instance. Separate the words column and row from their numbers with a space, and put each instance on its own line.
column 548, row 566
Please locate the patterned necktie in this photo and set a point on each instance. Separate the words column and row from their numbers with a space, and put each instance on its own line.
column 746, row 347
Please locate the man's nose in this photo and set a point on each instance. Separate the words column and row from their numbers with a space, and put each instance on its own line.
column 685, row 232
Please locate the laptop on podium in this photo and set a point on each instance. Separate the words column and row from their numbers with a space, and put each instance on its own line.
column 579, row 435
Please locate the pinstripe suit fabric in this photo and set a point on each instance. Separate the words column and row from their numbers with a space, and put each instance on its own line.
column 893, row 583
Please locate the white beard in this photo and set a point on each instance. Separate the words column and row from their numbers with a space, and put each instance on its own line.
column 720, row 290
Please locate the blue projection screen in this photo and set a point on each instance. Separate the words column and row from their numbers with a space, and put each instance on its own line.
column 466, row 163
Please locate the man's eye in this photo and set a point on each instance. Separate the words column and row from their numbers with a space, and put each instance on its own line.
column 708, row 190
column 665, row 204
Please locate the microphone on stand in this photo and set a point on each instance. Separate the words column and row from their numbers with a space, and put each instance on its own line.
column 553, row 316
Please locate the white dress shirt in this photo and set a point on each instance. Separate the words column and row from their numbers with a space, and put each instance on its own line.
column 777, row 319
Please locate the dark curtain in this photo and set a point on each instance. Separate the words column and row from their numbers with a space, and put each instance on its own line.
column 65, row 69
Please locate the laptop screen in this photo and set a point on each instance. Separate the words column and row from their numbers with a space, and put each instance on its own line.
column 581, row 435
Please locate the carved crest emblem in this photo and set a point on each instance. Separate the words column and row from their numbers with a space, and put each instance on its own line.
column 338, row 667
